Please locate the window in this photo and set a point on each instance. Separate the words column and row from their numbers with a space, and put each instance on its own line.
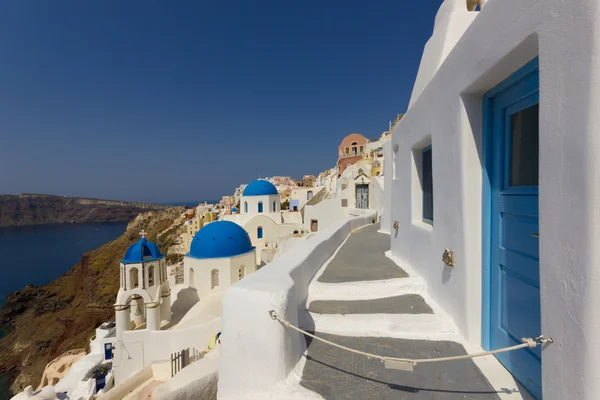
column 259, row 232
column 524, row 156
column 274, row 206
column 361, row 149
column 151, row 275
column 246, row 207
column 241, row 272
column 347, row 150
column 260, row 206
column 192, row 283
column 214, row 279
column 309, row 195
column 427, row 185
column 134, row 278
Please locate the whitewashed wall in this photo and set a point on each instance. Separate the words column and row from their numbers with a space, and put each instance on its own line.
column 451, row 21
column 502, row 38
column 325, row 212
column 386, row 222
column 257, row 352
column 253, row 204
column 271, row 232
column 226, row 266
column 139, row 349
column 376, row 194
column 301, row 194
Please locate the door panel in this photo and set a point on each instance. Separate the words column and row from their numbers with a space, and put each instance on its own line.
column 514, row 288
column 362, row 196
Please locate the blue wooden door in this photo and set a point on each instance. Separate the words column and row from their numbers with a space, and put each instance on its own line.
column 513, row 286
column 108, row 351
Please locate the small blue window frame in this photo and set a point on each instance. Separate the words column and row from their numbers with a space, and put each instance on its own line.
column 427, row 215
column 274, row 206
column 259, row 233
column 260, row 206
column 246, row 207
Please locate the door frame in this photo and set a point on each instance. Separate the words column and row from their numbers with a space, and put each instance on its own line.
column 486, row 218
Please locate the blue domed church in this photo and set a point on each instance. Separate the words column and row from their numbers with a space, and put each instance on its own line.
column 144, row 295
column 221, row 253
column 260, row 197
column 261, row 216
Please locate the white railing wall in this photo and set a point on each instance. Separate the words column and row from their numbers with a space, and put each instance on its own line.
column 257, row 352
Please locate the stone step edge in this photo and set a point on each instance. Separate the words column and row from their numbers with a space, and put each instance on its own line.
column 400, row 326
column 365, row 290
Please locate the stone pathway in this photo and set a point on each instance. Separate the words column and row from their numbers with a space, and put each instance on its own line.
column 362, row 258
column 387, row 325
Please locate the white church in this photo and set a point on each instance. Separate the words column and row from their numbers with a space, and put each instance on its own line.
column 221, row 254
column 144, row 288
column 154, row 320
column 261, row 216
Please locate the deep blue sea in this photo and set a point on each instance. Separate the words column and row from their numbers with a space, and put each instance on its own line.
column 39, row 254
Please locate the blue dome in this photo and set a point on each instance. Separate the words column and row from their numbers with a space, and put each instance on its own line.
column 233, row 209
column 260, row 187
column 220, row 239
column 141, row 251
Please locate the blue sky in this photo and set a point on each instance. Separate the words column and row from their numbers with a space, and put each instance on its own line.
column 178, row 101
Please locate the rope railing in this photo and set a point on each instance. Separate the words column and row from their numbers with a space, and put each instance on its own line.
column 408, row 364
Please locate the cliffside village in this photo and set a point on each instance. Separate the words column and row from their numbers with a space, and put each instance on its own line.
column 168, row 314
column 453, row 257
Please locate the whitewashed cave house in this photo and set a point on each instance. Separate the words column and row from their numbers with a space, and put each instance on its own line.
column 495, row 161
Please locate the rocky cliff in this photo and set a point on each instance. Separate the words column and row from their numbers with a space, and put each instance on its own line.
column 33, row 209
column 42, row 322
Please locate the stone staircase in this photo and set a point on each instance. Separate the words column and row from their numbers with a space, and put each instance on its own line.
column 363, row 300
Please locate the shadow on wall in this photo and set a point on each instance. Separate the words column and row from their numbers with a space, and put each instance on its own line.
column 186, row 298
column 446, row 273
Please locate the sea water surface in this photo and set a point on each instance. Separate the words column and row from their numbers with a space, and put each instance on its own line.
column 39, row 254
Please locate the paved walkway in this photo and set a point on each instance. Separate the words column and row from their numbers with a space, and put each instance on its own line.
column 362, row 258
column 378, row 322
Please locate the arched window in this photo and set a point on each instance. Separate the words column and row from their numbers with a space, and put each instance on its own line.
column 242, row 272
column 274, row 206
column 309, row 195
column 246, row 207
column 214, row 278
column 134, row 278
column 192, row 282
column 354, row 148
column 151, row 275
column 259, row 232
column 260, row 206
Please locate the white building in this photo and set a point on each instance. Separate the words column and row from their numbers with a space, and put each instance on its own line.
column 221, row 253
column 261, row 216
column 504, row 175
column 144, row 285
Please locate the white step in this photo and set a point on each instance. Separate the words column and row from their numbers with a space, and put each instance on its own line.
column 365, row 290
column 402, row 326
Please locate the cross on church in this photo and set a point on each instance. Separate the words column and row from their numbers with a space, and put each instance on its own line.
column 143, row 234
